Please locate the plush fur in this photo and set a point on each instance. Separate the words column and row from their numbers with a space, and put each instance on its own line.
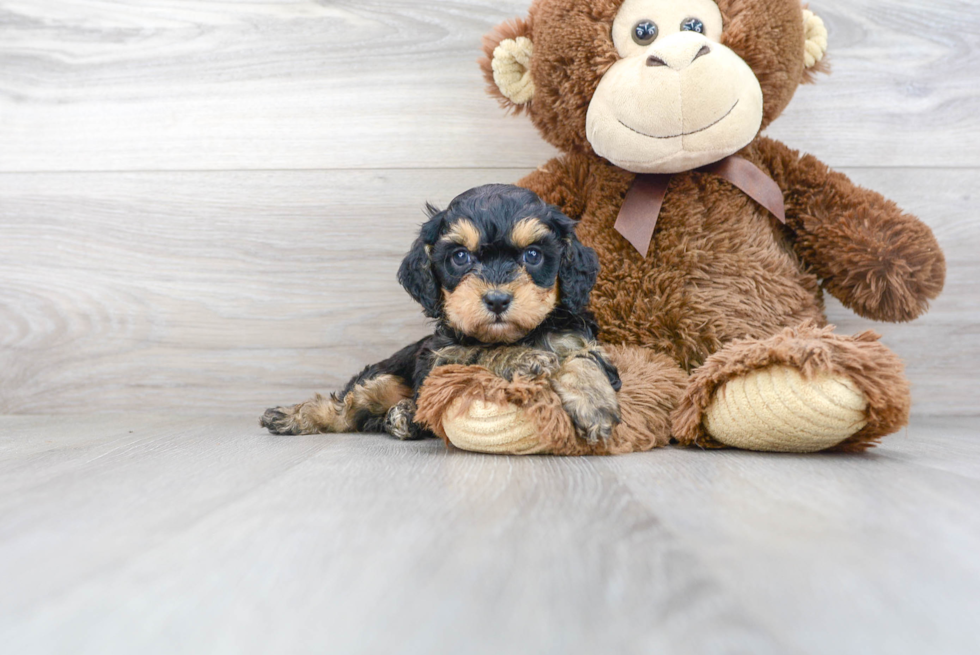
column 725, row 289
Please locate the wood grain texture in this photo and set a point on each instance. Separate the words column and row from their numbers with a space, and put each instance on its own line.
column 231, row 292
column 137, row 534
column 304, row 84
column 190, row 290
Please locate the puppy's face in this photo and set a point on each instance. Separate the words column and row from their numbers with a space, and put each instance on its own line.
column 501, row 261
column 499, row 274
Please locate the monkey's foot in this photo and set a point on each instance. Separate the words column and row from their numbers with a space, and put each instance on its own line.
column 497, row 429
column 776, row 410
column 803, row 390
column 475, row 410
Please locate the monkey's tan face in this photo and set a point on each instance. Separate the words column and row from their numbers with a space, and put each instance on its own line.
column 677, row 99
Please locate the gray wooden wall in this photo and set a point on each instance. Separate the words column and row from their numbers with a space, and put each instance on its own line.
column 203, row 202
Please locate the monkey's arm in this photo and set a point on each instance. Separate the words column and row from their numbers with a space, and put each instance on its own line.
column 877, row 260
column 560, row 182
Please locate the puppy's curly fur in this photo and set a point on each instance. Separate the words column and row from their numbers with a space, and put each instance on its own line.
column 508, row 283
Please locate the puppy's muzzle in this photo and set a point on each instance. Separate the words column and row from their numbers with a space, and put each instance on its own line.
column 498, row 301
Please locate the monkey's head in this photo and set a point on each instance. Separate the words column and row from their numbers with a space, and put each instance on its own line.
column 654, row 86
column 497, row 262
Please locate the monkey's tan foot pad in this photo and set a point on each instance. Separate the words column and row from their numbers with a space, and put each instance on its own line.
column 776, row 409
column 491, row 428
column 804, row 389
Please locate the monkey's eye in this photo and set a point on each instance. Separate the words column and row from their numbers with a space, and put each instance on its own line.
column 533, row 256
column 462, row 258
column 693, row 25
column 645, row 32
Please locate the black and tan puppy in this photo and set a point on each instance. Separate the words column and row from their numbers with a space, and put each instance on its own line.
column 508, row 283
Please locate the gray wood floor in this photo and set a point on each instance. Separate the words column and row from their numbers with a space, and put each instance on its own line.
column 178, row 534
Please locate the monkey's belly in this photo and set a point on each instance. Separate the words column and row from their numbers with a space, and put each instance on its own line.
column 690, row 296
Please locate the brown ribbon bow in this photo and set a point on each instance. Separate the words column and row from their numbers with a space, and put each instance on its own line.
column 641, row 209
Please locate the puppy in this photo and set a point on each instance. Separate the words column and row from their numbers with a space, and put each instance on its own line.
column 507, row 283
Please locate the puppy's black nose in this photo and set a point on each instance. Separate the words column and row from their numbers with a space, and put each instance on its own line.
column 497, row 301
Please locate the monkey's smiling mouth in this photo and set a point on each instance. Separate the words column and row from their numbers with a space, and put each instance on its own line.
column 674, row 136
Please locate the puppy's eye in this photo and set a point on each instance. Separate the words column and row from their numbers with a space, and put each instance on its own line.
column 693, row 25
column 462, row 258
column 533, row 256
column 645, row 32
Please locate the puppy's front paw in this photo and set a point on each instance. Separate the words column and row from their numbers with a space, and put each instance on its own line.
column 535, row 364
column 594, row 423
column 589, row 398
column 280, row 420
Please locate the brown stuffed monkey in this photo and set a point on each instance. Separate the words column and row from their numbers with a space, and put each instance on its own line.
column 716, row 243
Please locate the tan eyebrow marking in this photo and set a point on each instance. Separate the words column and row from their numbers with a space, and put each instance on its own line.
column 528, row 231
column 465, row 234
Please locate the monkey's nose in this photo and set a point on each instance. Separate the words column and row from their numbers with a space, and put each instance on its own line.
column 678, row 58
column 497, row 301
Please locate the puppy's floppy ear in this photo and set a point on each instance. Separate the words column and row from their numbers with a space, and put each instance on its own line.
column 415, row 273
column 577, row 275
column 579, row 268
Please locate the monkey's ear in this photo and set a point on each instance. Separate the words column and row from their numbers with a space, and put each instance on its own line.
column 815, row 47
column 577, row 275
column 507, row 65
column 415, row 274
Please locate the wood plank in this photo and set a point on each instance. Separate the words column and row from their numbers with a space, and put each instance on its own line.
column 229, row 292
column 902, row 82
column 214, row 85
column 157, row 535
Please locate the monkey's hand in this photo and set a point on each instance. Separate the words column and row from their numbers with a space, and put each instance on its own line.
column 879, row 261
